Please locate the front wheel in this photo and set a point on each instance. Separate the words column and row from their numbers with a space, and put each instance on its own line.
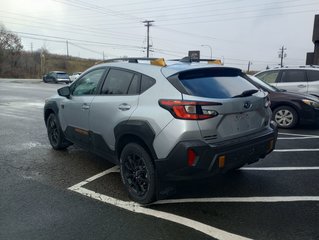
column 138, row 173
column 285, row 117
column 55, row 134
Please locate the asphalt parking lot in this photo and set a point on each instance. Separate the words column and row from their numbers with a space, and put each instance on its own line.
column 73, row 194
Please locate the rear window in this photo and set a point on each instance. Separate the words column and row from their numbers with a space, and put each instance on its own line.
column 313, row 75
column 216, row 83
column 62, row 75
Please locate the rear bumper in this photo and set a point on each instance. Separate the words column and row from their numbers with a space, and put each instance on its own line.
column 236, row 152
column 63, row 80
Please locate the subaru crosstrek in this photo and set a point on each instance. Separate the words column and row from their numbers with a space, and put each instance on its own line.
column 175, row 122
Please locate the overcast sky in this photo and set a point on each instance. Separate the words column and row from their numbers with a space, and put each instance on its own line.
column 238, row 31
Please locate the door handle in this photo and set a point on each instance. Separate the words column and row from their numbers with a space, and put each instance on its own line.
column 124, row 107
column 301, row 86
column 85, row 106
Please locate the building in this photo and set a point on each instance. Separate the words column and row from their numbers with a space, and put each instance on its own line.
column 313, row 57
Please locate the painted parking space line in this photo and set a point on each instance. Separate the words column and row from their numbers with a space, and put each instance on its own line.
column 137, row 208
column 279, row 169
column 298, row 150
column 204, row 228
column 90, row 179
column 274, row 199
column 295, row 136
column 300, row 135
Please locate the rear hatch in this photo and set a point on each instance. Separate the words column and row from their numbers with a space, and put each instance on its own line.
column 62, row 76
column 237, row 107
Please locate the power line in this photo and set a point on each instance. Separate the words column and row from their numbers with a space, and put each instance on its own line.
column 236, row 12
column 223, row 9
column 78, row 40
column 238, row 18
column 96, row 8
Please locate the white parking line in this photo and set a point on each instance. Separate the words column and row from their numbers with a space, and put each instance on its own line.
column 101, row 174
column 136, row 208
column 296, row 138
column 243, row 199
column 297, row 150
column 204, row 228
column 300, row 135
column 278, row 168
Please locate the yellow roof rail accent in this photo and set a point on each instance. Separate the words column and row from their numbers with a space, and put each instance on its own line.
column 159, row 62
column 215, row 61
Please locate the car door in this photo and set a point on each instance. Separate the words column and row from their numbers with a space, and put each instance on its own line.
column 293, row 80
column 49, row 77
column 116, row 102
column 313, row 82
column 75, row 109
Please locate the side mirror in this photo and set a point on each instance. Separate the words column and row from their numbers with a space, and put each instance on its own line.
column 64, row 91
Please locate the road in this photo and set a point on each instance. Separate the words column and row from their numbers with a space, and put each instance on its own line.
column 47, row 194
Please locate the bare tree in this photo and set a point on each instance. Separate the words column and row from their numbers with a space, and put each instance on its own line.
column 10, row 51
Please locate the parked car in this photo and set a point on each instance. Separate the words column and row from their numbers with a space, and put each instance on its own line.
column 158, row 123
column 302, row 79
column 290, row 109
column 56, row 77
column 74, row 76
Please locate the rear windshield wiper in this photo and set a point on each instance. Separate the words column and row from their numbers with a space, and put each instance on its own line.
column 246, row 93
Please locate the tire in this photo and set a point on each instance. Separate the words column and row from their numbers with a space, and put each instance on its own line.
column 138, row 173
column 285, row 117
column 55, row 134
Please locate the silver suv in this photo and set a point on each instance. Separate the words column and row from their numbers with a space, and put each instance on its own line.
column 301, row 79
column 161, row 123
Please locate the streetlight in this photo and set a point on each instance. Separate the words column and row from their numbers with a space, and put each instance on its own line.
column 210, row 48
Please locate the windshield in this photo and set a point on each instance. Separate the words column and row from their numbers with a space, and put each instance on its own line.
column 264, row 84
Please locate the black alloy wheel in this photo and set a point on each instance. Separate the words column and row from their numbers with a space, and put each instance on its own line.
column 138, row 174
column 55, row 134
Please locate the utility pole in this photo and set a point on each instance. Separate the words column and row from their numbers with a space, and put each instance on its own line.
column 249, row 64
column 67, row 48
column 31, row 48
column 148, row 23
column 282, row 55
column 103, row 56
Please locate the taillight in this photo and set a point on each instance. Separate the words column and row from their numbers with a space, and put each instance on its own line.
column 189, row 110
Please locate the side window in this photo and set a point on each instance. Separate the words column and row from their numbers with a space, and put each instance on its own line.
column 135, row 85
column 269, row 77
column 313, row 75
column 87, row 84
column 146, row 83
column 117, row 82
column 293, row 76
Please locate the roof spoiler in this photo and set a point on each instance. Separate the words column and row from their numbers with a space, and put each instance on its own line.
column 190, row 60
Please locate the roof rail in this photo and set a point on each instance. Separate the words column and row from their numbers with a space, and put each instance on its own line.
column 190, row 60
column 297, row 66
column 128, row 59
column 153, row 61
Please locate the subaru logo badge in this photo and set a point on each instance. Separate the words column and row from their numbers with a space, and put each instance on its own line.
column 247, row 105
